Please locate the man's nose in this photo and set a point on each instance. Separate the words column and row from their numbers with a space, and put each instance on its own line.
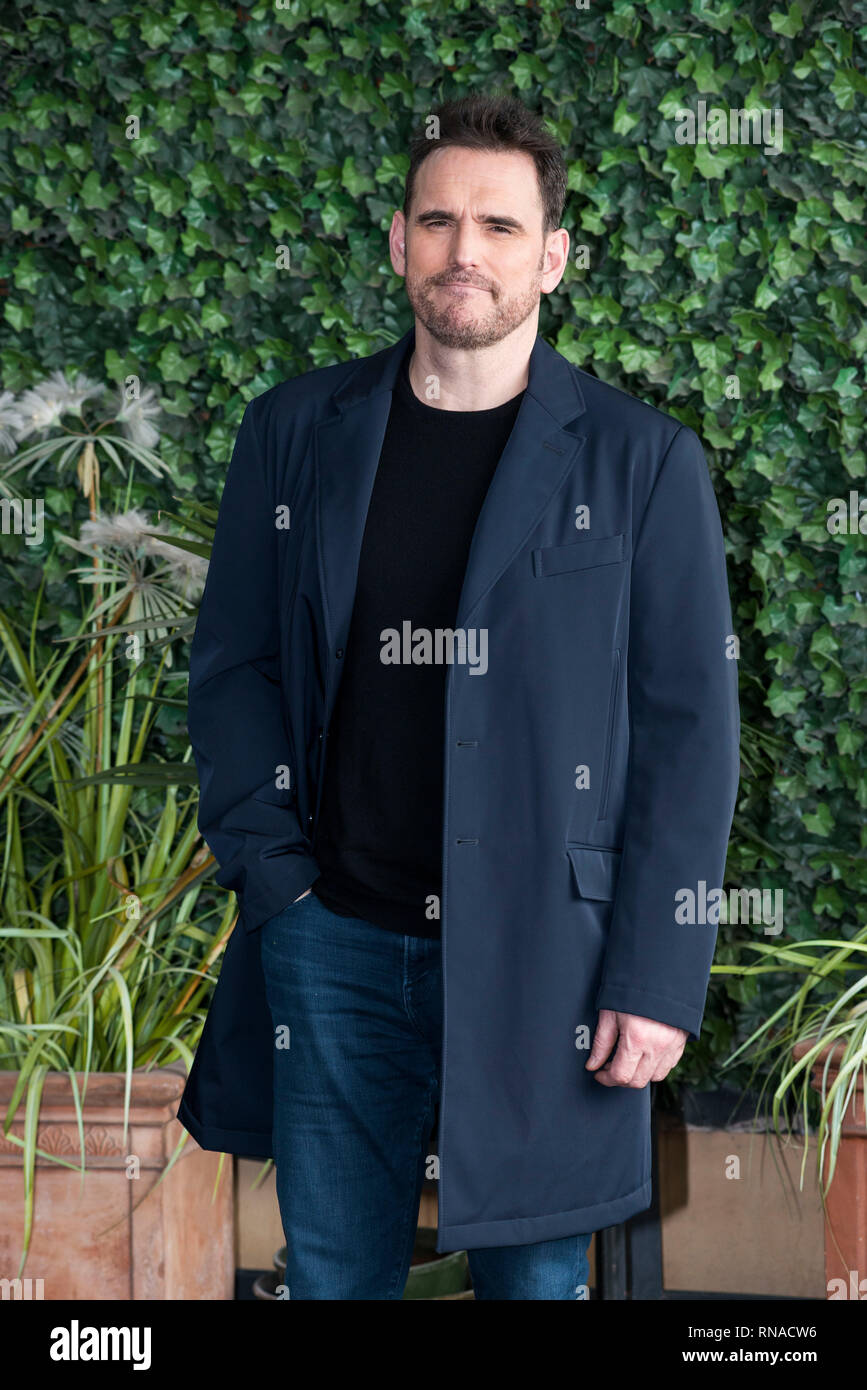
column 466, row 243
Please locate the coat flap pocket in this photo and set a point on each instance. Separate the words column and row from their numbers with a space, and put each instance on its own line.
column 274, row 794
column 595, row 871
column 579, row 555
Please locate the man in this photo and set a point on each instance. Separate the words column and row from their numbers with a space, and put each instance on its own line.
column 466, row 729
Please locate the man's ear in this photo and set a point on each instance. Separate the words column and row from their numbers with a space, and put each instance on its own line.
column 397, row 243
column 557, row 256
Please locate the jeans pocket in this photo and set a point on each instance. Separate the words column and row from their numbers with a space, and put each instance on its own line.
column 288, row 910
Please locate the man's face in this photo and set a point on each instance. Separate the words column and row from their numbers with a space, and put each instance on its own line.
column 475, row 258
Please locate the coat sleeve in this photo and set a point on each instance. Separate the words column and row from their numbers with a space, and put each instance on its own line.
column 235, row 713
column 683, row 767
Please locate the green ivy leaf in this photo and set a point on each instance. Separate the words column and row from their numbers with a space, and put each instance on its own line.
column 819, row 822
column 788, row 24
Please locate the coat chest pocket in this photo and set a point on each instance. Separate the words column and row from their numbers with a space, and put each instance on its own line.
column 578, row 555
column 595, row 871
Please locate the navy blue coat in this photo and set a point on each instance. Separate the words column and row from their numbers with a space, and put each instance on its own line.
column 590, row 774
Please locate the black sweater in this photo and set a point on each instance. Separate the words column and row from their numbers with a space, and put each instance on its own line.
column 379, row 832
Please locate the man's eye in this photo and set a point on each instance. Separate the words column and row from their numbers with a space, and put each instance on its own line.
column 499, row 228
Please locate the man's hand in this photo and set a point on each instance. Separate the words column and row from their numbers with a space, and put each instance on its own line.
column 646, row 1051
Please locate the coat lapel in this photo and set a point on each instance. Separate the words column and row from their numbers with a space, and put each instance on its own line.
column 539, row 453
column 347, row 448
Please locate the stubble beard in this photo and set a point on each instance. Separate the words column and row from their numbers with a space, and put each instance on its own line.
column 497, row 314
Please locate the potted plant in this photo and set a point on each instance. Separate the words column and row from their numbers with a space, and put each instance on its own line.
column 818, row 1036
column 106, row 956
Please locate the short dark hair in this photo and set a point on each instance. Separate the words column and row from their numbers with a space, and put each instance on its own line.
column 496, row 122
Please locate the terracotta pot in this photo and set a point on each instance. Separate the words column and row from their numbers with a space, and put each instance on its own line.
column 846, row 1203
column 117, row 1233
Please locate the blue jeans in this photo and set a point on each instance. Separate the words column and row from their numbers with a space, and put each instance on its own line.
column 357, row 1016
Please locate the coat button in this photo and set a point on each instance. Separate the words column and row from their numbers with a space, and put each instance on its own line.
column 339, row 651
